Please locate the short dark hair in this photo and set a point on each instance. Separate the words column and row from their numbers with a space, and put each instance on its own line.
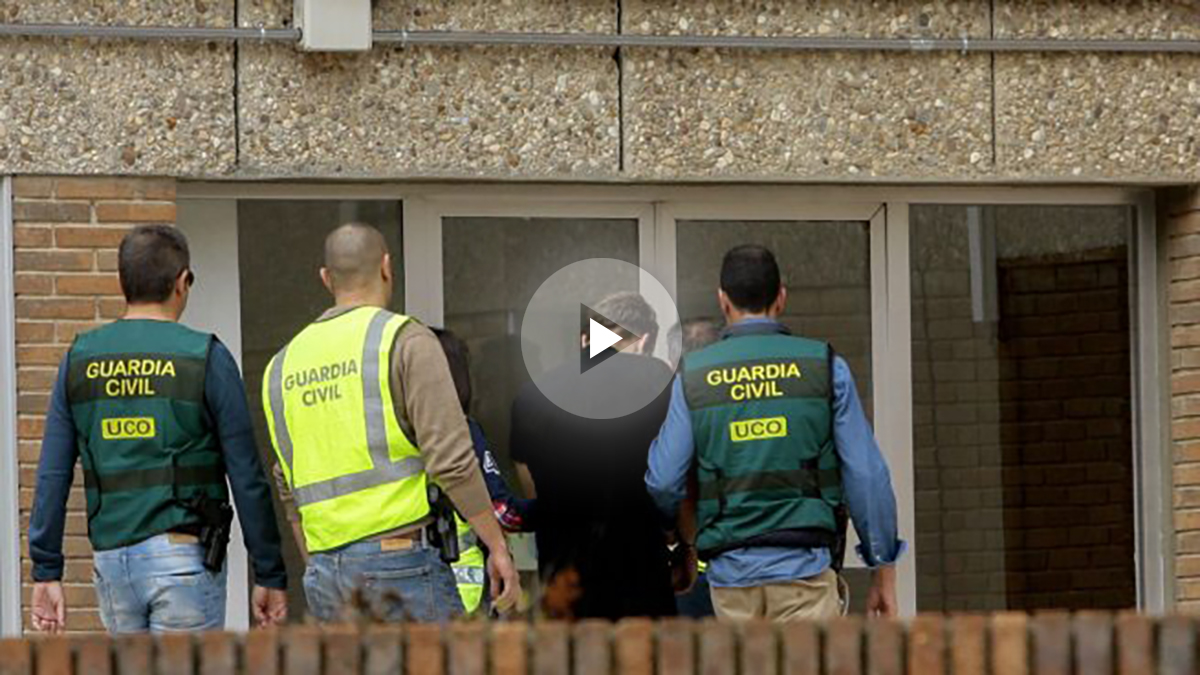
column 458, row 356
column 150, row 259
column 692, row 335
column 750, row 277
column 699, row 333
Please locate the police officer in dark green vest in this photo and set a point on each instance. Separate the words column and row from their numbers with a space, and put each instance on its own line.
column 773, row 428
column 157, row 414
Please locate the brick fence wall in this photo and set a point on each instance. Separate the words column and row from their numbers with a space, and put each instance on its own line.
column 66, row 234
column 1003, row 644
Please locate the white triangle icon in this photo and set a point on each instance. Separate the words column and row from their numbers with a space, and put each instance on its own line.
column 600, row 338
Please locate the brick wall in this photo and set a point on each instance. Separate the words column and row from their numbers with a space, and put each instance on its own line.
column 1022, row 449
column 1182, row 219
column 960, row 541
column 1066, row 431
column 66, row 234
column 1003, row 644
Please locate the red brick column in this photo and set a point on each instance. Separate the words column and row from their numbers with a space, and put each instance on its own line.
column 66, row 236
column 1182, row 221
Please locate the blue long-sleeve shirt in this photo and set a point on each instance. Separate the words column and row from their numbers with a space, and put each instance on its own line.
column 866, row 482
column 225, row 397
column 497, row 487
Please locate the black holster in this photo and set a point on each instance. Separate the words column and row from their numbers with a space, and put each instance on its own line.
column 216, row 521
column 443, row 532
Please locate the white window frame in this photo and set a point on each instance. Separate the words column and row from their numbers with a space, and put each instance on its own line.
column 656, row 207
column 10, row 512
column 216, row 306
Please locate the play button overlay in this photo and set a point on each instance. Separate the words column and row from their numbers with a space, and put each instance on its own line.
column 603, row 341
column 594, row 338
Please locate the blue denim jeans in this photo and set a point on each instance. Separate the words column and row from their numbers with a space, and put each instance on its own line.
column 159, row 585
column 394, row 586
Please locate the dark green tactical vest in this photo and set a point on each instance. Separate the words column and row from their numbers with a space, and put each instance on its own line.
column 762, row 415
column 137, row 397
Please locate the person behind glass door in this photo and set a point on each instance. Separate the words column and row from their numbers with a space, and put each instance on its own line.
column 774, row 428
column 601, row 553
column 696, row 601
column 157, row 412
column 514, row 513
column 363, row 416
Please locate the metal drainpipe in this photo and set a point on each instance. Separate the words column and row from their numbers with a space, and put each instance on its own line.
column 469, row 38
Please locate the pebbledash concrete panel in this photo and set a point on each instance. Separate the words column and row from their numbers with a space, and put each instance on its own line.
column 116, row 107
column 1088, row 116
column 752, row 115
column 551, row 16
column 831, row 18
column 1098, row 19
column 496, row 112
column 429, row 111
column 206, row 13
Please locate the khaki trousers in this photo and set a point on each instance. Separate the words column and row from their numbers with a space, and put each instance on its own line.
column 812, row 598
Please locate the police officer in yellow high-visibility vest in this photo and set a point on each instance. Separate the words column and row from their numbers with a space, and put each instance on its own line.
column 363, row 415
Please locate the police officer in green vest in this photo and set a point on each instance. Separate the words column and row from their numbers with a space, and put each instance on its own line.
column 773, row 427
column 157, row 414
column 364, row 416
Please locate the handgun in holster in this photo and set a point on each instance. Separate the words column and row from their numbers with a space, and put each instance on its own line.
column 216, row 521
column 443, row 532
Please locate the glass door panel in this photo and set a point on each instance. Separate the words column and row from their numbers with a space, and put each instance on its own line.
column 826, row 268
column 281, row 247
column 1023, row 448
column 492, row 266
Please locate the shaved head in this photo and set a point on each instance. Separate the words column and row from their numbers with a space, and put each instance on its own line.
column 354, row 254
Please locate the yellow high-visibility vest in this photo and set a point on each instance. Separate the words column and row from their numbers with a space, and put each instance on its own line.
column 469, row 569
column 353, row 471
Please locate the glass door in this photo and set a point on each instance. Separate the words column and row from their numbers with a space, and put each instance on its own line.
column 1024, row 427
column 485, row 260
column 834, row 265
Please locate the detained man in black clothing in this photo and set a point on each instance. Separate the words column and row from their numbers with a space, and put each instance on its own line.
column 601, row 553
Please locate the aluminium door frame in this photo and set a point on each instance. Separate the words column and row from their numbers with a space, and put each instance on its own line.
column 215, row 306
column 10, row 511
column 424, row 279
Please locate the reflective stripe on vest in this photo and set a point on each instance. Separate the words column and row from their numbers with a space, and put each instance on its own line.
column 468, row 575
column 384, row 470
column 353, row 471
column 468, row 570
